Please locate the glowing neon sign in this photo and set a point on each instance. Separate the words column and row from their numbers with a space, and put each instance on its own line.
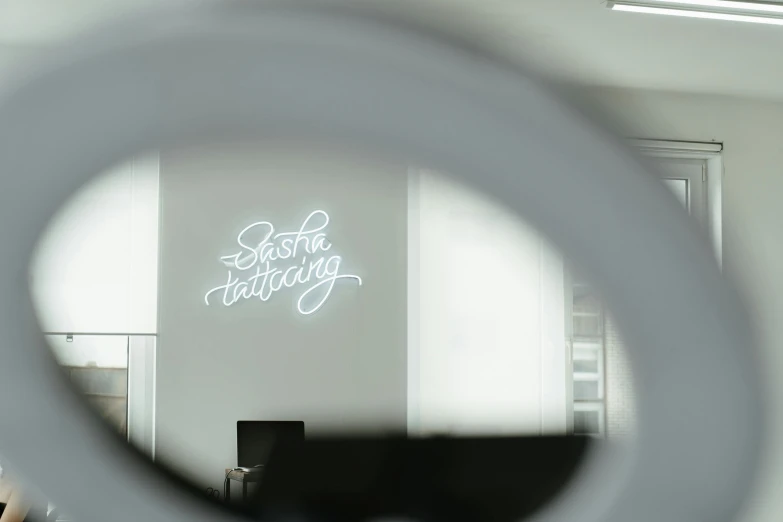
column 283, row 260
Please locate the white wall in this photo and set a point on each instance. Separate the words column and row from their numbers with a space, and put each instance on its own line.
column 488, row 353
column 95, row 269
column 342, row 367
column 103, row 351
column 752, row 133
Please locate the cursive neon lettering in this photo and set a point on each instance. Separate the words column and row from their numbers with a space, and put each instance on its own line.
column 283, row 260
column 289, row 270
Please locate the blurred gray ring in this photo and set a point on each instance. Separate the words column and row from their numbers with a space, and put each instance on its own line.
column 310, row 71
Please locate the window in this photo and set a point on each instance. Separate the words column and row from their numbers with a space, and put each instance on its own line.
column 94, row 284
column 587, row 359
column 98, row 366
column 485, row 316
column 116, row 373
column 602, row 388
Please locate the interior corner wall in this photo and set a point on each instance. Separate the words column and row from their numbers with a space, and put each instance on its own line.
column 751, row 132
column 343, row 366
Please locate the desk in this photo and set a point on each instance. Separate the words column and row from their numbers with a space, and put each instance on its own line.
column 241, row 476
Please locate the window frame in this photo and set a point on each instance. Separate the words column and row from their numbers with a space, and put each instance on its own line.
column 141, row 376
column 141, row 392
column 707, row 192
column 598, row 407
column 711, row 153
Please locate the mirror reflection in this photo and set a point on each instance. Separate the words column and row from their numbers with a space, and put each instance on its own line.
column 223, row 304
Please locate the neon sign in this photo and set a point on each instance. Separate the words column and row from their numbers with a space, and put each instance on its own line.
column 296, row 259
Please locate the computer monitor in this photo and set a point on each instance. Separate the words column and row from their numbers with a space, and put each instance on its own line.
column 256, row 440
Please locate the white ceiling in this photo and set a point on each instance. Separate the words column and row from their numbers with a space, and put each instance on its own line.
column 584, row 41
column 32, row 22
column 578, row 40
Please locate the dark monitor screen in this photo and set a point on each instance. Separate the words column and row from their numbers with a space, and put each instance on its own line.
column 257, row 439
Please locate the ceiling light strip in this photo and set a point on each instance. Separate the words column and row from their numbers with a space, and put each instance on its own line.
column 718, row 5
column 690, row 10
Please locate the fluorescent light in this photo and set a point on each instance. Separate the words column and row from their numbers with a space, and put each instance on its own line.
column 697, row 14
column 726, row 10
column 722, row 4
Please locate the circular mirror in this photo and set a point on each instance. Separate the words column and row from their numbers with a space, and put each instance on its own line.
column 287, row 276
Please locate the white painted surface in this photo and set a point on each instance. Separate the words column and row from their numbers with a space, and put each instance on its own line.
column 490, row 352
column 103, row 351
column 576, row 40
column 37, row 22
column 582, row 41
column 751, row 132
column 687, row 179
column 141, row 393
column 95, row 270
column 342, row 367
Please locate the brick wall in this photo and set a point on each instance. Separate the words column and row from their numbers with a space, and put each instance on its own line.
column 620, row 401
